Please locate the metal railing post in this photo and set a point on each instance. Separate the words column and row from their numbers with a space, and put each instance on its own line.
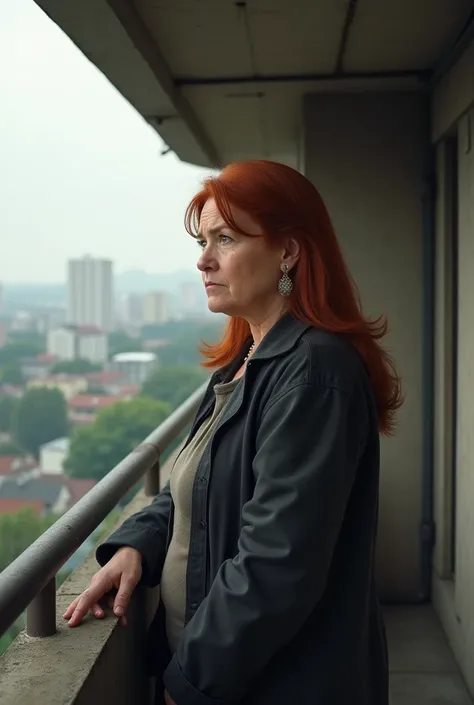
column 22, row 583
column 152, row 480
column 41, row 612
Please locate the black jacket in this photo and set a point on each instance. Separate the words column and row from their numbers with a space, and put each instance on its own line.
column 282, row 606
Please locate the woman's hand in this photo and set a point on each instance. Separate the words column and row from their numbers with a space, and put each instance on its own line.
column 168, row 700
column 116, row 582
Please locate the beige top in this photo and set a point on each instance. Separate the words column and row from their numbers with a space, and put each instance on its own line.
column 173, row 578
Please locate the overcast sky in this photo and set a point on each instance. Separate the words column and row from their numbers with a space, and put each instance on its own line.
column 80, row 171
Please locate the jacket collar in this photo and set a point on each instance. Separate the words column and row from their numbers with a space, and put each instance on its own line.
column 278, row 341
column 281, row 338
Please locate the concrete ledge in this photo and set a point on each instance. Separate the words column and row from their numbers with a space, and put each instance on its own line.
column 96, row 661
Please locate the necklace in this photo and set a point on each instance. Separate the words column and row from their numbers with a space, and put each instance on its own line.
column 249, row 352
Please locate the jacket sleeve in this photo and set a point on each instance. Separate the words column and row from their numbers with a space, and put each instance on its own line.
column 147, row 531
column 308, row 447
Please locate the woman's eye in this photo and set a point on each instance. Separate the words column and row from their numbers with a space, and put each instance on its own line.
column 201, row 244
column 225, row 239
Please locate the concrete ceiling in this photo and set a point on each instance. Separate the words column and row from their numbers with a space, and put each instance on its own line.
column 223, row 80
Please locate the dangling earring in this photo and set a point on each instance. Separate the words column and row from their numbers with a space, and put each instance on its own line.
column 285, row 285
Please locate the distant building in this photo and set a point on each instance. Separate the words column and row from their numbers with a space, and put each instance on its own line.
column 12, row 465
column 71, row 342
column 136, row 366
column 37, row 367
column 84, row 408
column 43, row 493
column 53, row 455
column 132, row 309
column 156, row 308
column 90, row 292
column 190, row 297
column 46, row 495
column 69, row 385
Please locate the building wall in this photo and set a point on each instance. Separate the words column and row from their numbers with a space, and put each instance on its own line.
column 51, row 460
column 61, row 342
column 156, row 307
column 93, row 347
column 453, row 580
column 90, row 292
column 364, row 152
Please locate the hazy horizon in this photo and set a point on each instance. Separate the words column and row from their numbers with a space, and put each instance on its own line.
column 81, row 172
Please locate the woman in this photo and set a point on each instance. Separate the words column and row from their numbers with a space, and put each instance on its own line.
column 267, row 572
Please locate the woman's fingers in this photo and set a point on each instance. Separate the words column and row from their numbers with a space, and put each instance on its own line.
column 89, row 600
column 68, row 613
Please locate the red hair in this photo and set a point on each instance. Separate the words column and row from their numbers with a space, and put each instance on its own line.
column 284, row 203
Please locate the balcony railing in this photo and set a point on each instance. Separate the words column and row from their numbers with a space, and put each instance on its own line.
column 30, row 581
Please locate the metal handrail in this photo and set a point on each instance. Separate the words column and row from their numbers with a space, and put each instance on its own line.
column 30, row 580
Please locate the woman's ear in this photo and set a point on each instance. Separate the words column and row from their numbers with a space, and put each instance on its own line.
column 291, row 253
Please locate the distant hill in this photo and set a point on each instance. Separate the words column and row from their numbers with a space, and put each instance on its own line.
column 139, row 281
column 37, row 295
column 127, row 282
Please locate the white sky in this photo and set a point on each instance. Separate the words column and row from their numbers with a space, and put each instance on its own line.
column 80, row 171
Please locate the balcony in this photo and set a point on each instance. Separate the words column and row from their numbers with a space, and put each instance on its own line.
column 102, row 659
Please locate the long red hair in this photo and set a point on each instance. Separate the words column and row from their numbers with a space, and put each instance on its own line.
column 284, row 203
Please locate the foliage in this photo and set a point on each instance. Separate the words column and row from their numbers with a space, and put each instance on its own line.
column 11, row 374
column 119, row 342
column 173, row 384
column 18, row 531
column 12, row 353
column 41, row 417
column 185, row 344
column 75, row 367
column 11, row 448
column 117, row 430
column 8, row 407
column 30, row 337
column 96, row 390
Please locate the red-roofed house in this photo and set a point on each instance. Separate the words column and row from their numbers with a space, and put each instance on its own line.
column 37, row 367
column 11, row 465
column 12, row 506
column 84, row 407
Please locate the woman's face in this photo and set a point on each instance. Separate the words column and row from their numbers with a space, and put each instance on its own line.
column 240, row 272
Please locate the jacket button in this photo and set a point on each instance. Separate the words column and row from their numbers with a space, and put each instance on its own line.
column 194, row 606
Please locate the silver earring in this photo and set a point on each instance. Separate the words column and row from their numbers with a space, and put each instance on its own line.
column 285, row 285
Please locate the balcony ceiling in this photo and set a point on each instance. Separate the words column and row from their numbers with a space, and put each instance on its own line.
column 223, row 80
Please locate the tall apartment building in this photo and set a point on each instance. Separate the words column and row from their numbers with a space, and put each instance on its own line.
column 156, row 307
column 71, row 342
column 90, row 293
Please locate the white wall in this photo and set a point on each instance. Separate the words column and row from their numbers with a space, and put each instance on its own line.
column 62, row 343
column 364, row 154
column 51, row 460
column 93, row 347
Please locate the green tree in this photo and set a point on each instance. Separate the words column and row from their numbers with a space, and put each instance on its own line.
column 14, row 352
column 8, row 407
column 117, row 430
column 173, row 384
column 18, row 531
column 11, row 374
column 41, row 417
column 28, row 337
column 75, row 367
column 11, row 448
column 119, row 342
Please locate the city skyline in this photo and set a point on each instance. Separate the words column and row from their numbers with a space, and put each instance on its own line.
column 86, row 174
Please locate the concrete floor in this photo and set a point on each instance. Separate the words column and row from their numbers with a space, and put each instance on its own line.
column 423, row 669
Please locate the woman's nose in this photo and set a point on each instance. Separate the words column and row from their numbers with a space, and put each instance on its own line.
column 205, row 261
